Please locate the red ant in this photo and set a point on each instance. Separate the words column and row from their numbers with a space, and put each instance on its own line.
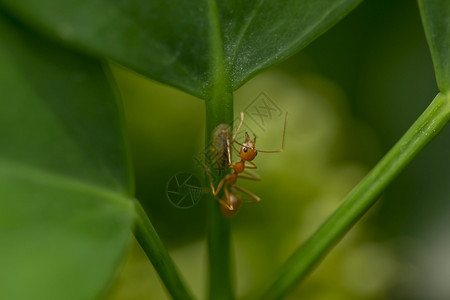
column 231, row 201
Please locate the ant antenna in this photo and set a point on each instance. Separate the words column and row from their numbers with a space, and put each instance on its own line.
column 239, row 127
column 282, row 142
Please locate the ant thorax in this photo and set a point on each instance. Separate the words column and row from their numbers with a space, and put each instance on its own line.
column 238, row 166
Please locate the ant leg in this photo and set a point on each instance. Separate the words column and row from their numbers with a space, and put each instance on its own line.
column 219, row 187
column 211, row 183
column 282, row 141
column 253, row 165
column 249, row 175
column 241, row 189
column 234, row 147
column 236, row 150
column 224, row 203
column 229, row 203
column 244, row 176
column 228, row 149
column 239, row 127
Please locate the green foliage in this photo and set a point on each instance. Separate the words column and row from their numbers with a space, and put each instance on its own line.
column 152, row 245
column 65, row 182
column 361, row 198
column 436, row 20
column 176, row 42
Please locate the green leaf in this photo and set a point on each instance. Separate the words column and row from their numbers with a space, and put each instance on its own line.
column 308, row 256
column 436, row 21
column 181, row 42
column 65, row 185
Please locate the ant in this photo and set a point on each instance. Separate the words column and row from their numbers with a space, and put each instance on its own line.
column 231, row 201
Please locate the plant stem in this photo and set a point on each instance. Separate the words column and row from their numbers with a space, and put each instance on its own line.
column 363, row 196
column 158, row 255
column 219, row 110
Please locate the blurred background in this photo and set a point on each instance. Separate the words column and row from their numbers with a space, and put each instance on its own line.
column 350, row 96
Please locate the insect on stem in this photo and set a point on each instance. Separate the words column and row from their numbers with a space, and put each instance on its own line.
column 230, row 201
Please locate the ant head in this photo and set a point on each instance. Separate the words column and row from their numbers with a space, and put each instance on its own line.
column 248, row 151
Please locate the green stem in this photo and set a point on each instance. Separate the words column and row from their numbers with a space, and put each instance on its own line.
column 158, row 255
column 219, row 110
column 363, row 196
